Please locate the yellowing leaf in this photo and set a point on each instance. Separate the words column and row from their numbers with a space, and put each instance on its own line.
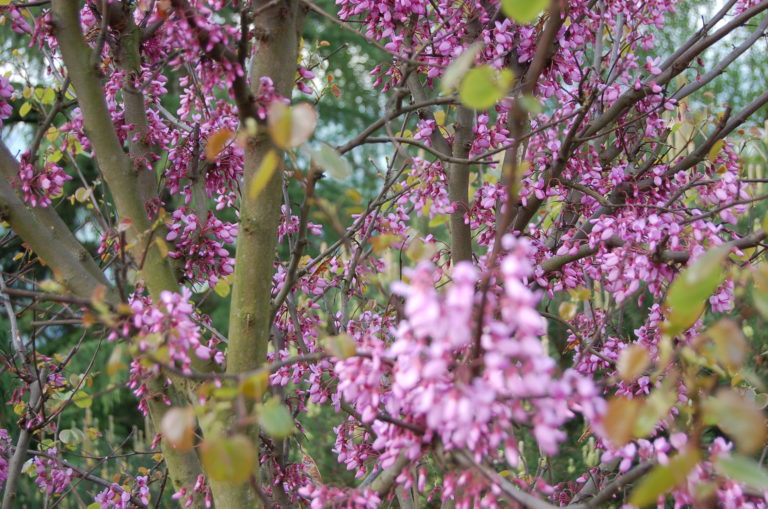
column 83, row 194
column 51, row 133
column 162, row 246
column 48, row 96
column 25, row 108
column 279, row 123
column 483, row 87
column 383, row 242
column 567, row 310
column 730, row 345
column 655, row 408
column 619, row 420
column 178, row 428
column 267, row 168
column 222, row 287
column 230, row 460
column 717, row 147
column 255, row 385
column 217, row 142
column 115, row 362
column 523, row 11
column 341, row 346
column 632, row 362
column 419, row 250
column 82, row 399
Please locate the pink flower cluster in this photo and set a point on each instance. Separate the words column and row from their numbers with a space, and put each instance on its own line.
column 200, row 245
column 6, row 91
column 39, row 187
column 5, row 454
column 187, row 495
column 50, row 476
column 322, row 496
column 169, row 324
column 428, row 379
column 117, row 497
column 166, row 331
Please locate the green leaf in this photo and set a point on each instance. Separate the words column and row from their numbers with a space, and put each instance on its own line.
column 459, row 67
column 275, row 419
column 82, row 399
column 231, row 460
column 329, row 160
column 688, row 294
column 483, row 87
column 523, row 11
column 743, row 469
column 663, row 478
column 71, row 437
column 531, row 104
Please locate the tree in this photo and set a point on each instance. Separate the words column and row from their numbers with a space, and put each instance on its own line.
column 531, row 279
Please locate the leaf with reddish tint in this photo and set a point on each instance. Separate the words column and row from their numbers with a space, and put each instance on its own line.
column 303, row 123
column 633, row 360
column 730, row 345
column 178, row 428
column 217, row 142
column 619, row 420
column 738, row 417
column 230, row 460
